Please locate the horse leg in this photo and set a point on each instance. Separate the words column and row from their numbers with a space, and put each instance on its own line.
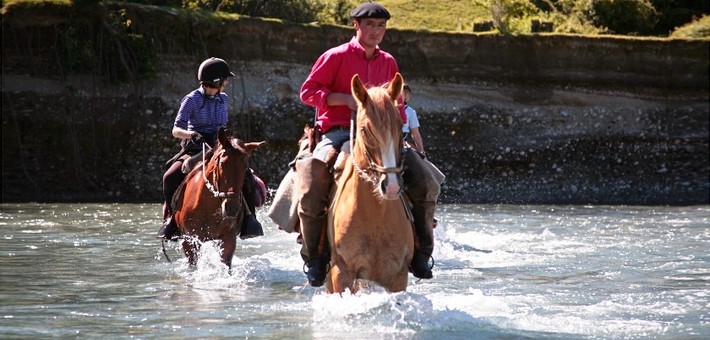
column 228, row 246
column 341, row 279
column 399, row 282
column 191, row 249
column 329, row 283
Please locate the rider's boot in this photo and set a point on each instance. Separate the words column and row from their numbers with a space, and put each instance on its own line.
column 169, row 231
column 171, row 182
column 315, row 181
column 423, row 227
column 250, row 226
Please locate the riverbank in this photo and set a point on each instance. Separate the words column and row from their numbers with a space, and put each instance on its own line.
column 535, row 119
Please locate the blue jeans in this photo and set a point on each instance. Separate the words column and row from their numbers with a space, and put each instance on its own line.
column 333, row 139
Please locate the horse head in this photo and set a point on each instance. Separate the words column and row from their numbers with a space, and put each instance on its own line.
column 377, row 144
column 225, row 172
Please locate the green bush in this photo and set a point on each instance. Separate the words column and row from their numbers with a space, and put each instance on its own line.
column 625, row 16
column 510, row 16
column 571, row 16
column 291, row 10
column 336, row 12
column 102, row 41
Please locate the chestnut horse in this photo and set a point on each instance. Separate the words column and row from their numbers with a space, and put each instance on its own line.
column 212, row 206
column 369, row 231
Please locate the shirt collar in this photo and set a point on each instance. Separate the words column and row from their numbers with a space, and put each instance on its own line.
column 205, row 95
column 355, row 45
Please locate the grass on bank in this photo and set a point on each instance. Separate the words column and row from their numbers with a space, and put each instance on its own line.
column 450, row 16
column 698, row 29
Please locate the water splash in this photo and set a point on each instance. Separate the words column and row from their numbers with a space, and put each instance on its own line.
column 371, row 312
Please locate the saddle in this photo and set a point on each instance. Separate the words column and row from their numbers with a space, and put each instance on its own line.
column 284, row 208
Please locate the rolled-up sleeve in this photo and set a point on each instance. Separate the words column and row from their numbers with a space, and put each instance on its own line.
column 317, row 87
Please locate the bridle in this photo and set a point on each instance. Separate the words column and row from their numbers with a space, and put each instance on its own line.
column 376, row 168
column 373, row 167
column 214, row 189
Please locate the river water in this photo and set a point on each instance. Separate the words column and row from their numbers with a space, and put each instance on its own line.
column 502, row 271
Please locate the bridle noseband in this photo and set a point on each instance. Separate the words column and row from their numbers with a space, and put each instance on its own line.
column 376, row 168
column 373, row 167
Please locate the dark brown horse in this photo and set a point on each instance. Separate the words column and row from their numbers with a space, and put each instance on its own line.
column 212, row 206
column 369, row 230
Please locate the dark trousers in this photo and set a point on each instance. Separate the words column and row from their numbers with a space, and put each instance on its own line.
column 172, row 179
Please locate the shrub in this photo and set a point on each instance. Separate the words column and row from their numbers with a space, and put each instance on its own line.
column 291, row 10
column 336, row 12
column 510, row 16
column 571, row 16
column 625, row 16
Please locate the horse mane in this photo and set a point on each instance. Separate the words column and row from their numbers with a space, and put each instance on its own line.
column 378, row 112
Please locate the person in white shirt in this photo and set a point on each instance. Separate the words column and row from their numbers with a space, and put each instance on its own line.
column 411, row 127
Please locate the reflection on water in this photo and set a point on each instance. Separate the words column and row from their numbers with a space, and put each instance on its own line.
column 95, row 270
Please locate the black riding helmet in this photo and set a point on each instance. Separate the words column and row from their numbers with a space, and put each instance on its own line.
column 212, row 70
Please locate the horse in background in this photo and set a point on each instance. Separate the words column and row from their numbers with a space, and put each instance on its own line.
column 211, row 206
column 370, row 233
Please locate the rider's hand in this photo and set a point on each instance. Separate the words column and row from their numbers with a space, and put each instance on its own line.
column 197, row 138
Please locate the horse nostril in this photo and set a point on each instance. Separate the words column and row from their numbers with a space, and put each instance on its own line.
column 390, row 189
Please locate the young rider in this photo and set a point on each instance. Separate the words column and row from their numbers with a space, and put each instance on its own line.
column 411, row 126
column 327, row 88
column 202, row 113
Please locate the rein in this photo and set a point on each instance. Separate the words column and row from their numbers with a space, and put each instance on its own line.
column 214, row 189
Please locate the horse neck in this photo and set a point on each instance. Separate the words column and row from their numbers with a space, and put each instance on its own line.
column 195, row 182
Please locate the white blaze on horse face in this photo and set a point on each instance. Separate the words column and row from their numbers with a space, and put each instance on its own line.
column 389, row 160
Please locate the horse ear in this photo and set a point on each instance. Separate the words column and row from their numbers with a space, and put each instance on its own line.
column 253, row 145
column 396, row 85
column 359, row 91
column 223, row 136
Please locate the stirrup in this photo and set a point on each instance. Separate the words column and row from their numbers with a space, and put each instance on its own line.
column 316, row 279
column 169, row 231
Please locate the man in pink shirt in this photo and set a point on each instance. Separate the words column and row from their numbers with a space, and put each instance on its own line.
column 327, row 88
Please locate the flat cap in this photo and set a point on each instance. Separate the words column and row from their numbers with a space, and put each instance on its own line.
column 370, row 10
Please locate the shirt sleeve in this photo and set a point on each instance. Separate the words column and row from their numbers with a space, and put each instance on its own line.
column 183, row 115
column 316, row 88
column 413, row 119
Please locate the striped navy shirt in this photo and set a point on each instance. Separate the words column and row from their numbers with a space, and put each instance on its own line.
column 201, row 113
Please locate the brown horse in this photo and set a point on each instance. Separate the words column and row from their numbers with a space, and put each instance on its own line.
column 369, row 231
column 212, row 206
